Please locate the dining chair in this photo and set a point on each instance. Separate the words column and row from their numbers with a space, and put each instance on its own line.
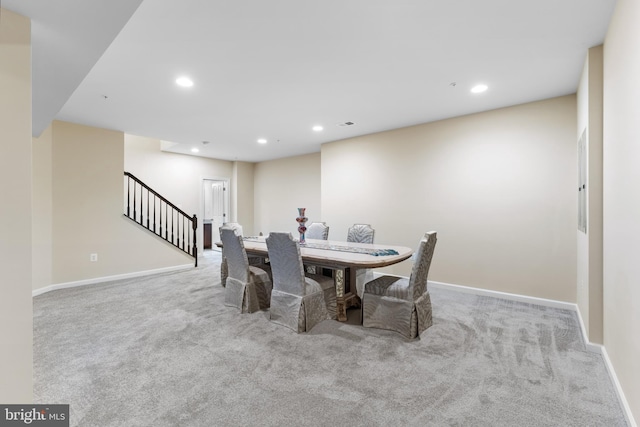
column 361, row 233
column 234, row 226
column 318, row 231
column 248, row 286
column 400, row 304
column 224, row 269
column 299, row 301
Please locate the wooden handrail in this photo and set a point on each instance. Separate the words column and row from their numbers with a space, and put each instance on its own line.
column 183, row 227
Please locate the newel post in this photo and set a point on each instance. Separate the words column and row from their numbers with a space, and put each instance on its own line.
column 194, row 224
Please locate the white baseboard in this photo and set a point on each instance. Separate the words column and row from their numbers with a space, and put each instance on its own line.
column 589, row 346
column 616, row 384
column 504, row 295
column 105, row 279
column 594, row 348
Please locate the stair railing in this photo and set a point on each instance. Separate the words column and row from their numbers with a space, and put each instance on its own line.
column 154, row 212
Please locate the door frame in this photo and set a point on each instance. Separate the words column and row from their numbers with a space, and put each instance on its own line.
column 226, row 208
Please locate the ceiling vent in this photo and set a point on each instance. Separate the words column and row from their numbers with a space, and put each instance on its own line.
column 346, row 124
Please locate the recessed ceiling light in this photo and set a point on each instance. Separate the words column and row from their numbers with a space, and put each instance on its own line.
column 317, row 128
column 184, row 81
column 479, row 88
column 195, row 150
column 262, row 141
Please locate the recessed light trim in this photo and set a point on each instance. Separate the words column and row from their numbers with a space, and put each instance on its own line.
column 479, row 88
column 195, row 150
column 262, row 141
column 317, row 128
column 184, row 81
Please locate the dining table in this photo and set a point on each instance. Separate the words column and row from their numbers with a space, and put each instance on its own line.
column 339, row 260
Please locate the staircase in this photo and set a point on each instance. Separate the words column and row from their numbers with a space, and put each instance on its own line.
column 152, row 211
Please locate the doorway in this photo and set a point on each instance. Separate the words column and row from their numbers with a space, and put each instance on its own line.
column 216, row 210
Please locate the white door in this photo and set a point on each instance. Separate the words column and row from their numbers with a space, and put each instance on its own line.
column 216, row 207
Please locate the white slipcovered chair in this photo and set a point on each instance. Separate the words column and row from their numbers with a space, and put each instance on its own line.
column 248, row 286
column 234, row 226
column 224, row 269
column 298, row 301
column 317, row 230
column 400, row 304
column 361, row 233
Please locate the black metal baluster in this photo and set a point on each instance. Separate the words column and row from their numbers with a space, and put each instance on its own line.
column 172, row 226
column 134, row 202
column 166, row 221
column 148, row 209
column 154, row 212
column 160, row 215
column 189, row 237
column 128, row 194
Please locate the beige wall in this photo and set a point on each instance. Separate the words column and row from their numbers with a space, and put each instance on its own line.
column 622, row 198
column 281, row 187
column 589, row 273
column 178, row 177
column 498, row 187
column 42, row 197
column 16, row 321
column 87, row 176
column 242, row 196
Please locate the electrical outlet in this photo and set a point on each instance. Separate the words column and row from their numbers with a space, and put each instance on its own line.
column 93, row 257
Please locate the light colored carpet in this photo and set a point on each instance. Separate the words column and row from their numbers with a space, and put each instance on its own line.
column 163, row 350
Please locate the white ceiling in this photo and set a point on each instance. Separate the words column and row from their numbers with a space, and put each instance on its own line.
column 273, row 69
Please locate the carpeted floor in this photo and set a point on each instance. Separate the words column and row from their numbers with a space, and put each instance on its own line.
column 163, row 350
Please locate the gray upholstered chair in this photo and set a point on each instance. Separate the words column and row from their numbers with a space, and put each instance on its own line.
column 400, row 304
column 298, row 301
column 317, row 230
column 248, row 286
column 234, row 226
column 224, row 269
column 361, row 233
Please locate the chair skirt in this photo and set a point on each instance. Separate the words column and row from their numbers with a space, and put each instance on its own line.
column 394, row 314
column 224, row 268
column 302, row 313
column 252, row 296
column 298, row 313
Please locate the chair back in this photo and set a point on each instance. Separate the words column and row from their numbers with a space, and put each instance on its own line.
column 234, row 252
column 234, row 226
column 317, row 230
column 286, row 264
column 360, row 233
column 420, row 270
